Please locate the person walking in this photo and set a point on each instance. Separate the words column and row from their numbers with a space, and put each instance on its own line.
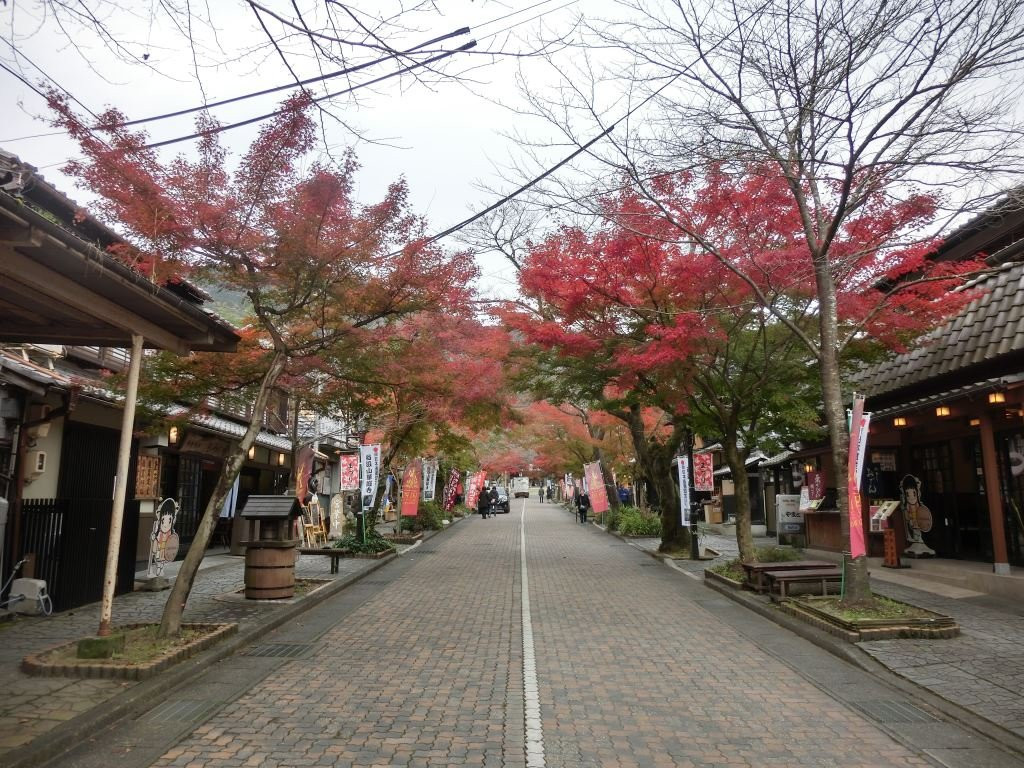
column 551, row 492
column 483, row 504
column 583, row 506
column 493, row 498
column 540, row 494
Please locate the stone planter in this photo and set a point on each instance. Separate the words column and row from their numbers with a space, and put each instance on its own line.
column 356, row 555
column 45, row 664
column 710, row 575
column 404, row 538
column 934, row 626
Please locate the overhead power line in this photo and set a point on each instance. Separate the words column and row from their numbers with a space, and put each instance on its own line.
column 276, row 112
column 560, row 164
column 275, row 89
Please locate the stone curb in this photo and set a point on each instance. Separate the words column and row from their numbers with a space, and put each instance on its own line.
column 850, row 653
column 36, row 664
column 142, row 697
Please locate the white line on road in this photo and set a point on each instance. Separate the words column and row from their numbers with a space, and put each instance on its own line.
column 531, row 695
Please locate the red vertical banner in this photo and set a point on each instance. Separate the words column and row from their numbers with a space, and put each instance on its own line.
column 858, row 440
column 349, row 471
column 451, row 488
column 595, row 485
column 472, row 490
column 815, row 482
column 412, row 481
column 303, row 471
column 703, row 472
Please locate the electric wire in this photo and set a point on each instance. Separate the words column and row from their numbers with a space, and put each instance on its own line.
column 191, row 110
column 307, row 81
column 560, row 164
column 242, row 97
column 49, row 77
column 276, row 112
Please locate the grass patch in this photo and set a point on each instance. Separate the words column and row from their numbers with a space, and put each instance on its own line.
column 730, row 569
column 676, row 553
column 305, row 586
column 877, row 607
column 778, row 554
column 141, row 645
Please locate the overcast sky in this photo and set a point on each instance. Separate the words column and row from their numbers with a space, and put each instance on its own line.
column 445, row 135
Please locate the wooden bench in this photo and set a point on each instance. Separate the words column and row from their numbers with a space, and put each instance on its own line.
column 755, row 571
column 782, row 579
column 334, row 554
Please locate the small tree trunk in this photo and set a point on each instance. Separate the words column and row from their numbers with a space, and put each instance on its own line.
column 170, row 622
column 674, row 535
column 858, row 584
column 738, row 468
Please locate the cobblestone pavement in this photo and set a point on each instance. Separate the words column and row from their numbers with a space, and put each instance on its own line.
column 428, row 672
column 982, row 670
column 32, row 706
column 635, row 672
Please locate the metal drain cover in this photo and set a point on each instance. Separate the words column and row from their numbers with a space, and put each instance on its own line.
column 185, row 710
column 890, row 711
column 279, row 650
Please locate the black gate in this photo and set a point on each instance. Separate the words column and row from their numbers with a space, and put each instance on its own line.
column 68, row 535
column 69, row 540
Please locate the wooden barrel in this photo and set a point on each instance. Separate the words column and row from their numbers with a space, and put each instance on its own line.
column 270, row 571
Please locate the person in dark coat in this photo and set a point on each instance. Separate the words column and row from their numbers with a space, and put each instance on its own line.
column 483, row 504
column 494, row 499
column 583, row 506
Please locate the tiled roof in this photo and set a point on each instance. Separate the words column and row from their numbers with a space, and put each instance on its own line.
column 778, row 458
column 222, row 426
column 982, row 386
column 990, row 327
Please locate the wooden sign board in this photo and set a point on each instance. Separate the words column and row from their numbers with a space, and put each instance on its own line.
column 147, row 477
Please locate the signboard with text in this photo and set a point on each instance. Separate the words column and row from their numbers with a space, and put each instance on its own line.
column 789, row 515
column 683, row 465
column 369, row 464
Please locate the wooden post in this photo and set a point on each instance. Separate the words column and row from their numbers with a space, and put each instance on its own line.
column 120, row 486
column 990, row 466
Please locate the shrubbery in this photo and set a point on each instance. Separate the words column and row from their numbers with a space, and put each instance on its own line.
column 429, row 517
column 611, row 519
column 374, row 544
column 632, row 521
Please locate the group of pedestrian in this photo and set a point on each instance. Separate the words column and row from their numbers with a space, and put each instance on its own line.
column 545, row 493
column 487, row 504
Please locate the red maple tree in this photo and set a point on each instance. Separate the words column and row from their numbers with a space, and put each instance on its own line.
column 323, row 279
column 647, row 303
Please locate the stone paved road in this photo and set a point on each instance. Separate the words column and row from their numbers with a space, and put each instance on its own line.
column 631, row 668
column 982, row 670
column 32, row 706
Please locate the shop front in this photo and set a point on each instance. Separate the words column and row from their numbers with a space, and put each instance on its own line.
column 190, row 464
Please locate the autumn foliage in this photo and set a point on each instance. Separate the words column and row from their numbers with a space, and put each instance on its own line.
column 342, row 302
